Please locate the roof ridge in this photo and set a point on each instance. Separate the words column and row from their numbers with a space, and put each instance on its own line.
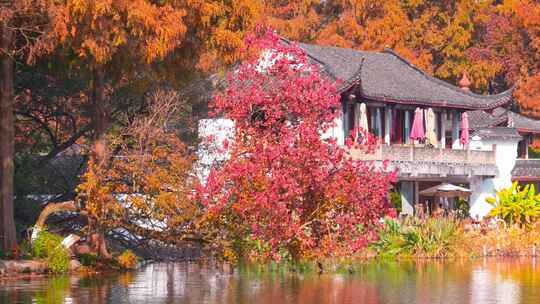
column 339, row 48
column 325, row 66
column 522, row 115
column 442, row 82
column 356, row 77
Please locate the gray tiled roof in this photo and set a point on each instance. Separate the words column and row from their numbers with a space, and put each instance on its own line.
column 523, row 123
column 526, row 168
column 481, row 119
column 497, row 133
column 386, row 76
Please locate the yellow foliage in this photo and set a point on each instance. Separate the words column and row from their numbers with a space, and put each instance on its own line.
column 128, row 259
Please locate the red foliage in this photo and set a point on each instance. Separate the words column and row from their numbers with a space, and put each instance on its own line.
column 285, row 190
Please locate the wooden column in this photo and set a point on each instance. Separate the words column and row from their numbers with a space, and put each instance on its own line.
column 407, row 132
column 416, row 193
column 345, row 118
column 387, row 124
column 527, row 141
column 378, row 123
column 455, row 130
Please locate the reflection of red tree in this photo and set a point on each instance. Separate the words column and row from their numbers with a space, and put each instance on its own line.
column 324, row 289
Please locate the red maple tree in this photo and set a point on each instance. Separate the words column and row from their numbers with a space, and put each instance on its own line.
column 285, row 191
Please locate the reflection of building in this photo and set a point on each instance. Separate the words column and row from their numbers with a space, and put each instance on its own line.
column 392, row 90
column 490, row 287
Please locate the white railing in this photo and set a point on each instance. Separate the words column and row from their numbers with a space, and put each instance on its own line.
column 410, row 153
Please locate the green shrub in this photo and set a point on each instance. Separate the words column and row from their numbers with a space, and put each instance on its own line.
column 390, row 241
column 516, row 205
column 88, row 259
column 49, row 246
column 395, row 198
column 462, row 208
column 431, row 237
column 25, row 249
column 45, row 243
column 58, row 260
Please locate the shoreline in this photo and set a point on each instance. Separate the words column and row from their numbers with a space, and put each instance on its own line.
column 329, row 266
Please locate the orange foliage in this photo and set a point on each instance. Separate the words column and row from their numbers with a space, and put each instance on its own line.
column 97, row 29
column 147, row 187
column 434, row 35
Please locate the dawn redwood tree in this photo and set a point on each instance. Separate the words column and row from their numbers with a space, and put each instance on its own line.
column 24, row 33
column 285, row 192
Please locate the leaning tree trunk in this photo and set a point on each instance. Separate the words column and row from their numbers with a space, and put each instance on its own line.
column 96, row 241
column 52, row 208
column 8, row 240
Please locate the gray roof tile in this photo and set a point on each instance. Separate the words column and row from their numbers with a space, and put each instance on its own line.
column 497, row 133
column 481, row 119
column 526, row 169
column 523, row 123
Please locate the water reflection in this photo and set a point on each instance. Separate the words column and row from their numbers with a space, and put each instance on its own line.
column 480, row 281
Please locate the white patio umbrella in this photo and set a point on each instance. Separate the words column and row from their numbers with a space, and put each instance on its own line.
column 446, row 190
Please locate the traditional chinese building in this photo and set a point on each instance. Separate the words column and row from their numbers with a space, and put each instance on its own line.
column 430, row 131
column 391, row 90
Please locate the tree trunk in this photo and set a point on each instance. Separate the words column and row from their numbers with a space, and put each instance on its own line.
column 52, row 208
column 100, row 114
column 8, row 240
column 100, row 109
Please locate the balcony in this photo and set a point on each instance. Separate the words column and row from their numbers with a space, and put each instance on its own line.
column 419, row 161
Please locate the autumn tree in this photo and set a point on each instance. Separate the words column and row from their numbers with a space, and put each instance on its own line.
column 511, row 42
column 146, row 187
column 285, row 192
column 25, row 30
column 434, row 35
column 98, row 31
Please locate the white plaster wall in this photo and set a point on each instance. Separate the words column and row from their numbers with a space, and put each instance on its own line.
column 478, row 144
column 214, row 131
column 212, row 135
column 407, row 190
column 336, row 131
column 505, row 159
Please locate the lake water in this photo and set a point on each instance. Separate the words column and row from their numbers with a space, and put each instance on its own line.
column 478, row 281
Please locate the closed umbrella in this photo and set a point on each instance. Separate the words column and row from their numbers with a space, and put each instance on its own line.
column 446, row 190
column 464, row 128
column 430, row 127
column 362, row 120
column 417, row 131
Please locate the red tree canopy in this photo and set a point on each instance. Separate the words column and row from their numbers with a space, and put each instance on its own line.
column 286, row 192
